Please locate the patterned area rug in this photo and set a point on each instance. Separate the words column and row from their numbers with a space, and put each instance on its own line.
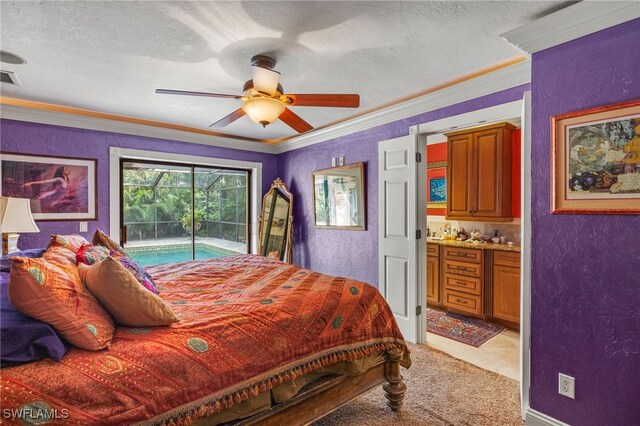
column 470, row 331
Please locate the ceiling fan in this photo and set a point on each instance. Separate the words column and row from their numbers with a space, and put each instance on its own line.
column 264, row 99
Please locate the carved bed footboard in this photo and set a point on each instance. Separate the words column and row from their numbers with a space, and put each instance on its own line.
column 327, row 395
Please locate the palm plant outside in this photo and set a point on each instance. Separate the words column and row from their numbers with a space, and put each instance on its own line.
column 158, row 204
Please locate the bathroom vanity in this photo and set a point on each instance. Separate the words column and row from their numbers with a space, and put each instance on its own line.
column 479, row 280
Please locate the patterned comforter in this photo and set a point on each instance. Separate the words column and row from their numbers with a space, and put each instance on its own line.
column 247, row 323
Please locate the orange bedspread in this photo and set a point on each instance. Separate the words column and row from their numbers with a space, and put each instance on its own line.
column 246, row 324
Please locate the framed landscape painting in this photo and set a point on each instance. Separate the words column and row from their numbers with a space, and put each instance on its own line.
column 59, row 188
column 596, row 160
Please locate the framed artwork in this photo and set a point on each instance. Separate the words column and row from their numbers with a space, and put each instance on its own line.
column 437, row 185
column 596, row 160
column 339, row 197
column 59, row 188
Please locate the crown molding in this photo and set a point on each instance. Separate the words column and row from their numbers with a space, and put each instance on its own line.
column 570, row 23
column 486, row 84
column 58, row 118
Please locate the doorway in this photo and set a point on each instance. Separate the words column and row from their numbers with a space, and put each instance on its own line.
column 173, row 212
column 419, row 136
column 517, row 112
column 473, row 280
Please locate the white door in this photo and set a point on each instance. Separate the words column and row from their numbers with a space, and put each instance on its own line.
column 401, row 219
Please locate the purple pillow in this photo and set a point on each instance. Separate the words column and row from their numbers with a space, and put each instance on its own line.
column 5, row 262
column 139, row 273
column 22, row 338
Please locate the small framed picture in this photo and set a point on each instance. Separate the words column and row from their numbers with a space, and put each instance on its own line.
column 59, row 188
column 437, row 185
column 596, row 160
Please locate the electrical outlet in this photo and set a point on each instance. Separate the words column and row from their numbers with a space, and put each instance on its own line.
column 83, row 226
column 566, row 386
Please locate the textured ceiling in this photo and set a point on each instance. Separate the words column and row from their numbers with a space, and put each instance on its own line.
column 111, row 56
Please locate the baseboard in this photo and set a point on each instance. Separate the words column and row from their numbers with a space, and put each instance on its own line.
column 536, row 418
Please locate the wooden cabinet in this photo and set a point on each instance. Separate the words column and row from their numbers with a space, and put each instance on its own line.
column 462, row 280
column 475, row 282
column 479, row 173
column 433, row 275
column 506, row 286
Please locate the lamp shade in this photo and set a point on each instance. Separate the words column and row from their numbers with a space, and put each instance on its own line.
column 15, row 216
column 263, row 110
column 265, row 80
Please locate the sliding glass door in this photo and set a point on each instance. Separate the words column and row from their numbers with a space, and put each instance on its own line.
column 173, row 212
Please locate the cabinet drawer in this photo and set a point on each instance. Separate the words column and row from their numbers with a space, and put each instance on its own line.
column 433, row 249
column 462, row 302
column 506, row 258
column 462, row 268
column 471, row 285
column 463, row 254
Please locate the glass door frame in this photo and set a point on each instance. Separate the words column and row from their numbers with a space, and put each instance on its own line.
column 192, row 167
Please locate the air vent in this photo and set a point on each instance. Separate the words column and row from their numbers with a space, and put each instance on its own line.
column 9, row 77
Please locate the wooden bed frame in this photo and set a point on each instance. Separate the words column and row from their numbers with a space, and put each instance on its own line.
column 321, row 398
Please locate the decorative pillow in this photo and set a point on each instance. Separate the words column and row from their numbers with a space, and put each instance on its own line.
column 60, row 255
column 119, row 292
column 102, row 239
column 73, row 241
column 22, row 338
column 92, row 254
column 139, row 273
column 53, row 293
column 5, row 261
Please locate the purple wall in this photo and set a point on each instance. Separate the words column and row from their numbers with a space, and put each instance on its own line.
column 31, row 138
column 585, row 277
column 354, row 254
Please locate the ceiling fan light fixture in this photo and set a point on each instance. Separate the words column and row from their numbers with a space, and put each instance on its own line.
column 265, row 80
column 263, row 110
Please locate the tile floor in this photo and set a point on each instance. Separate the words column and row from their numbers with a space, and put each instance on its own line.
column 500, row 354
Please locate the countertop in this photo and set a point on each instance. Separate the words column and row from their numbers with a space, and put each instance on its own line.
column 482, row 246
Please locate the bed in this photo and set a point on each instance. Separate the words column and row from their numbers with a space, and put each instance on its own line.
column 259, row 342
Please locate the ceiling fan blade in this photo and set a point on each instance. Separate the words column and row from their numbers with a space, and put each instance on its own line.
column 265, row 80
column 229, row 118
column 189, row 93
column 294, row 121
column 326, row 100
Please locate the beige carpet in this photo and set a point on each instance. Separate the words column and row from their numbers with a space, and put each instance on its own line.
column 441, row 390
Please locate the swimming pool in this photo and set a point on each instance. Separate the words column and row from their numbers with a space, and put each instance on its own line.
column 147, row 256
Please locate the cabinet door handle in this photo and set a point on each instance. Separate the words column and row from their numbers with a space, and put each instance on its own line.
column 461, row 268
column 455, row 253
column 464, row 302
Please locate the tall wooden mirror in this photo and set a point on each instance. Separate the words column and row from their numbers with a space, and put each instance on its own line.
column 276, row 223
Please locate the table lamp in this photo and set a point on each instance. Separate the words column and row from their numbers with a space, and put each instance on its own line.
column 15, row 217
